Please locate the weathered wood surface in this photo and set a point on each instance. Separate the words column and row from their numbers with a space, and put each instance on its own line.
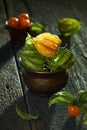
column 12, row 88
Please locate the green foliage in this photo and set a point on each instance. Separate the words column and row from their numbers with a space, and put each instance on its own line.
column 63, row 59
column 64, row 97
column 37, row 27
column 33, row 60
column 69, row 26
column 24, row 115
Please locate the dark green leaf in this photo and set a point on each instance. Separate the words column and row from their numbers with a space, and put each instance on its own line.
column 37, row 27
column 82, row 96
column 85, row 119
column 64, row 94
column 63, row 59
column 25, row 116
column 69, row 26
column 62, row 97
column 60, row 100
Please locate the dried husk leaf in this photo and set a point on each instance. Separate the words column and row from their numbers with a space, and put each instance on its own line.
column 47, row 44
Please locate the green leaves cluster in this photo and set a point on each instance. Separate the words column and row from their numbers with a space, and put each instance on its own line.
column 30, row 57
column 64, row 97
column 33, row 60
column 36, row 28
column 63, row 59
column 67, row 27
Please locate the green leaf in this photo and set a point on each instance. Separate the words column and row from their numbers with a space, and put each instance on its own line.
column 62, row 97
column 25, row 116
column 64, row 94
column 28, row 53
column 37, row 27
column 80, row 93
column 60, row 100
column 29, row 44
column 82, row 96
column 63, row 59
column 85, row 119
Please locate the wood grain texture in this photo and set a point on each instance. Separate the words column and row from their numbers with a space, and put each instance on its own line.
column 11, row 92
column 10, row 87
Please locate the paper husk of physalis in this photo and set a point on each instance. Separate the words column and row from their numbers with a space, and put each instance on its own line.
column 47, row 44
column 69, row 26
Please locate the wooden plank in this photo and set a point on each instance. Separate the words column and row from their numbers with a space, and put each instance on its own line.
column 14, row 11
column 14, row 8
column 79, row 45
column 2, row 16
column 10, row 87
column 34, row 124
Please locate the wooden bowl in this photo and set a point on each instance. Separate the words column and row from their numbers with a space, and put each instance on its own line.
column 45, row 83
column 18, row 35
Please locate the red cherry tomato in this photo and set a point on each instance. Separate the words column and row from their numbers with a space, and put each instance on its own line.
column 23, row 16
column 24, row 23
column 73, row 111
column 13, row 22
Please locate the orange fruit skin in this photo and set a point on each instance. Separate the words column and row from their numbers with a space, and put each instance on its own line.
column 24, row 23
column 23, row 16
column 13, row 22
column 73, row 111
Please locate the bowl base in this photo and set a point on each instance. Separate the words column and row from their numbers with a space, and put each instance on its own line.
column 43, row 83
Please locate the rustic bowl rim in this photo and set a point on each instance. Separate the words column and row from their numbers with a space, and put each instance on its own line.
column 44, row 72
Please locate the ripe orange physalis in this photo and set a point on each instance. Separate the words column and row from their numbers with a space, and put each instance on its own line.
column 13, row 22
column 24, row 23
column 23, row 16
column 73, row 111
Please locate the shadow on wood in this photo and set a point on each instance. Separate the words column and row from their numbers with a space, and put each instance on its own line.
column 9, row 120
column 5, row 53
